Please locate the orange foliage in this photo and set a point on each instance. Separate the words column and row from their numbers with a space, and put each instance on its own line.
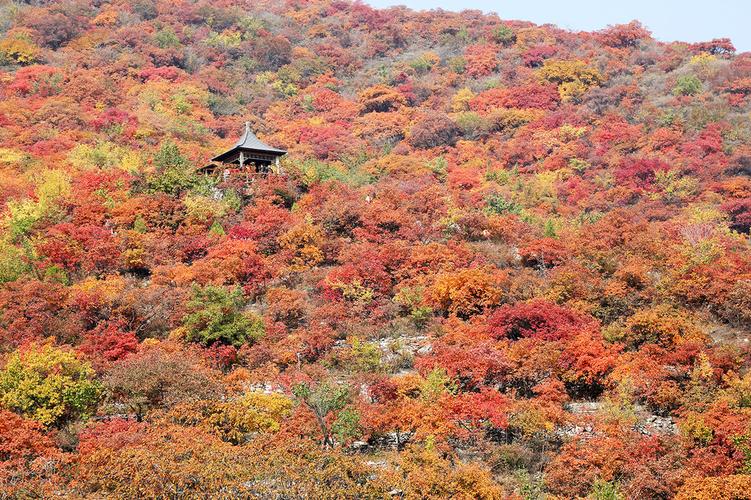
column 506, row 247
column 467, row 291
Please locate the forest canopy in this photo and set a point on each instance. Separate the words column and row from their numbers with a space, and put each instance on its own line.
column 499, row 260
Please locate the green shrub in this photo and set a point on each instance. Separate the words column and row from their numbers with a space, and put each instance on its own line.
column 216, row 317
column 499, row 205
column 687, row 85
column 504, row 35
column 174, row 173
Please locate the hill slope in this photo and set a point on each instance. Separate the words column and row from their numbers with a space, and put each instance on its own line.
column 500, row 259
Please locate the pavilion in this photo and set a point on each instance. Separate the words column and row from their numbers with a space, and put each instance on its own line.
column 249, row 157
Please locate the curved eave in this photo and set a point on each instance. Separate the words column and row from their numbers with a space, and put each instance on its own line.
column 235, row 150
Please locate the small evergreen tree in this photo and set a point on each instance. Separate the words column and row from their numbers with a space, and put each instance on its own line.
column 174, row 173
column 215, row 316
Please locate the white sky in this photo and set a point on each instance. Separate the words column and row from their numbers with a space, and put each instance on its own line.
column 669, row 20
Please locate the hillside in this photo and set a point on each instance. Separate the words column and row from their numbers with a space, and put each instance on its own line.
column 498, row 260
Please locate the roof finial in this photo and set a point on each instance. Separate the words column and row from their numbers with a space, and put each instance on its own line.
column 247, row 127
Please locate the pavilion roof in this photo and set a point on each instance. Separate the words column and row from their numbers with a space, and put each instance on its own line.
column 249, row 142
